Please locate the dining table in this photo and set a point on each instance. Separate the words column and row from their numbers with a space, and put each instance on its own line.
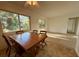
column 27, row 39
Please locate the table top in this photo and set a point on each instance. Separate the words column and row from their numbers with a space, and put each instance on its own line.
column 27, row 39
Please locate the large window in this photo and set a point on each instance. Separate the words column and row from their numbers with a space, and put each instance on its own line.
column 14, row 22
column 24, row 22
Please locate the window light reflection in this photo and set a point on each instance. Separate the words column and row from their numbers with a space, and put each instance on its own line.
column 23, row 38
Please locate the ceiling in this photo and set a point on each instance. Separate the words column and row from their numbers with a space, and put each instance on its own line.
column 50, row 8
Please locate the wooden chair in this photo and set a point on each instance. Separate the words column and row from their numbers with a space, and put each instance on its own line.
column 33, row 51
column 12, row 44
column 8, row 50
column 35, row 31
column 19, row 32
column 18, row 48
column 43, row 43
column 43, row 32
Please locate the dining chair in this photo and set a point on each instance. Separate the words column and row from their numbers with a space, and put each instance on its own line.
column 43, row 42
column 8, row 50
column 19, row 32
column 19, row 50
column 35, row 31
column 33, row 51
column 12, row 44
column 43, row 32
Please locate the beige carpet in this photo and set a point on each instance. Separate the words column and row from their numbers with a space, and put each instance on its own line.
column 53, row 49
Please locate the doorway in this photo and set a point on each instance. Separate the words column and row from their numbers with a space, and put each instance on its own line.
column 72, row 26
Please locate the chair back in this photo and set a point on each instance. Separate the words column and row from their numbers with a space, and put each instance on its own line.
column 7, row 40
column 19, row 32
column 35, row 31
column 43, row 32
column 18, row 48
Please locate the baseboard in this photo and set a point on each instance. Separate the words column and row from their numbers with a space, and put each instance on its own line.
column 56, row 32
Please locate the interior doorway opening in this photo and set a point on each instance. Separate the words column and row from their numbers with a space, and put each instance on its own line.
column 72, row 25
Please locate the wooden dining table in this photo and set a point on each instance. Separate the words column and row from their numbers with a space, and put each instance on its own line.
column 27, row 39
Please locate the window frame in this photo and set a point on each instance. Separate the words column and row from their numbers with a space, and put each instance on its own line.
column 19, row 18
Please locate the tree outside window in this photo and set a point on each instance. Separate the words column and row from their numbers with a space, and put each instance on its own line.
column 10, row 21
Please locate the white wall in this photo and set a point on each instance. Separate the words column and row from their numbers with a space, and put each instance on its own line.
column 57, row 24
column 34, row 22
column 54, row 24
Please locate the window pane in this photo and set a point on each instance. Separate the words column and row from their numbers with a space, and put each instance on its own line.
column 24, row 22
column 9, row 21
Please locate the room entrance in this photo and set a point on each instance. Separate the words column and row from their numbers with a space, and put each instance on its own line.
column 72, row 26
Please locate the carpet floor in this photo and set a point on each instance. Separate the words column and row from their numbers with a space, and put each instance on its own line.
column 55, row 49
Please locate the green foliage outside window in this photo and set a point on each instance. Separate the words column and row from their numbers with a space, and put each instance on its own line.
column 11, row 22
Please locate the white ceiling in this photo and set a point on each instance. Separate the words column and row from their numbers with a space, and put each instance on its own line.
column 51, row 8
column 55, row 8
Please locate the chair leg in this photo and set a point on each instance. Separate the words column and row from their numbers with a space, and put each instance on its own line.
column 45, row 43
column 18, row 54
column 8, row 51
column 15, row 54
